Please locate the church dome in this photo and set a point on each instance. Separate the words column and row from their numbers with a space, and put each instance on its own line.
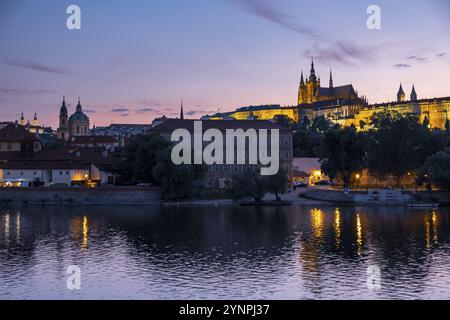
column 78, row 116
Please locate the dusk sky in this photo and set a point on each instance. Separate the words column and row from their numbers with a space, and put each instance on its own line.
column 135, row 60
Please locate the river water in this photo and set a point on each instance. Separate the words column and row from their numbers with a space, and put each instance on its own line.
column 224, row 253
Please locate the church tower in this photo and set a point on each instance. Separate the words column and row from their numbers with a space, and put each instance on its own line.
column 63, row 129
column 331, row 79
column 413, row 94
column 182, row 111
column 302, row 91
column 35, row 122
column 22, row 120
column 401, row 94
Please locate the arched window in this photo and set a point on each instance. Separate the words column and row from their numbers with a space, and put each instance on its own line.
column 78, row 129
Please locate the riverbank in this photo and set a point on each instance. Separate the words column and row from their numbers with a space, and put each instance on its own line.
column 112, row 196
column 377, row 197
column 135, row 196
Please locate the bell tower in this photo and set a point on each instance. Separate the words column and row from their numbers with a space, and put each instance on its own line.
column 63, row 129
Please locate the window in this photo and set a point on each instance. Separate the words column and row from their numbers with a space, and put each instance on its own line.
column 21, row 173
column 35, row 173
column 1, row 146
column 9, row 146
column 78, row 129
column 8, row 173
column 67, row 173
column 60, row 173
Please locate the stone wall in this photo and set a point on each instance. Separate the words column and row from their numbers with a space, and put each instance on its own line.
column 114, row 196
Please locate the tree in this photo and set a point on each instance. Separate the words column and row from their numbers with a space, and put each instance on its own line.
column 249, row 185
column 437, row 170
column 142, row 153
column 321, row 124
column 342, row 154
column 426, row 123
column 306, row 143
column 399, row 145
column 285, row 121
column 177, row 182
column 362, row 124
column 277, row 184
column 305, row 123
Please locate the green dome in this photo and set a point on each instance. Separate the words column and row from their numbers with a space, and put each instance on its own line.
column 78, row 116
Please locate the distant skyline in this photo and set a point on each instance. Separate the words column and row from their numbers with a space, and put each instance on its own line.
column 135, row 60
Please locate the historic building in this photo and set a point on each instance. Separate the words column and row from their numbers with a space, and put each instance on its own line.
column 310, row 91
column 332, row 102
column 218, row 174
column 33, row 126
column 435, row 110
column 342, row 105
column 75, row 125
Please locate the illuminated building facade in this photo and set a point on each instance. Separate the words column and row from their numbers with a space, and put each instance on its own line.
column 343, row 106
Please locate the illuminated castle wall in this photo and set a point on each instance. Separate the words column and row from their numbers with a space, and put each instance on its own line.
column 343, row 106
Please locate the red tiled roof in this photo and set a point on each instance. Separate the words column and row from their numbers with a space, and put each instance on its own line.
column 43, row 165
column 92, row 139
column 16, row 133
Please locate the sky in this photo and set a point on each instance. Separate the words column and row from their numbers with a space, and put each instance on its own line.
column 134, row 60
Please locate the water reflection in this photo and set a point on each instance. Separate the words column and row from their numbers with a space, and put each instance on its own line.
column 190, row 252
column 337, row 227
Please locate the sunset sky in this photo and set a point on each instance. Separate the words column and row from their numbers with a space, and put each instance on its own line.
column 135, row 60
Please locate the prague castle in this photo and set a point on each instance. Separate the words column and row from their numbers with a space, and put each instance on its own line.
column 342, row 105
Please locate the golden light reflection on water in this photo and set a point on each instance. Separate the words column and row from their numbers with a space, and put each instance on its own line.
column 427, row 232
column 85, row 233
column 337, row 227
column 80, row 230
column 434, row 221
column 18, row 226
column 317, row 222
column 359, row 240
column 6, row 227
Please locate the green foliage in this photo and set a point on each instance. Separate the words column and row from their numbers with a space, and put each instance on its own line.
column 437, row 170
column 142, row 153
column 251, row 185
column 399, row 145
column 306, row 143
column 342, row 154
column 177, row 182
column 285, row 121
column 321, row 124
column 277, row 184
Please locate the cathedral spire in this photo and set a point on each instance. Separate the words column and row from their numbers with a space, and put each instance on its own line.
column 302, row 81
column 400, row 94
column 79, row 105
column 182, row 111
column 331, row 79
column 313, row 71
column 413, row 94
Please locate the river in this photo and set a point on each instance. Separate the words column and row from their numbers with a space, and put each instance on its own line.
column 212, row 252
